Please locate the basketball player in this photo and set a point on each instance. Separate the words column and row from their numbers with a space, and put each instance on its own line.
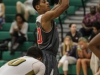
column 26, row 65
column 94, row 46
column 47, row 39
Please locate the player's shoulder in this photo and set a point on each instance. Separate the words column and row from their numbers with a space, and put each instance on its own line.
column 38, row 19
column 39, row 64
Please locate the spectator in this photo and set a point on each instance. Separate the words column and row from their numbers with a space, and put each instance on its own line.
column 73, row 33
column 84, row 55
column 2, row 13
column 96, row 30
column 88, row 21
column 18, row 32
column 25, row 8
column 69, row 54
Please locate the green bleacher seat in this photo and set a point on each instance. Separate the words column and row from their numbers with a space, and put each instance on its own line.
column 11, row 17
column 2, row 62
column 5, row 35
column 6, row 55
column 11, row 2
column 11, row 10
column 72, row 70
column 71, row 10
column 25, row 46
column 31, row 36
column 75, row 3
column 31, row 27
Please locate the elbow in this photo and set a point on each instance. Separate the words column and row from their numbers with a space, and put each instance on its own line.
column 90, row 45
column 65, row 6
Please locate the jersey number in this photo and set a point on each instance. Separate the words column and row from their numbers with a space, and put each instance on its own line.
column 39, row 41
column 16, row 62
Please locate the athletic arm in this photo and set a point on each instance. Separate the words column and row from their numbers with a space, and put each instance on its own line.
column 39, row 68
column 51, row 15
column 93, row 45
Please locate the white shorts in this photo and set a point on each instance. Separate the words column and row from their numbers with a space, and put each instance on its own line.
column 31, row 10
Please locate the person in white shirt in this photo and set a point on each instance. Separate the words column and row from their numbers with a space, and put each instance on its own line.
column 18, row 32
column 27, row 65
column 25, row 8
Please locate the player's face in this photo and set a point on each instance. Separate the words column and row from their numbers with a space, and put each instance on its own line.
column 44, row 5
column 73, row 28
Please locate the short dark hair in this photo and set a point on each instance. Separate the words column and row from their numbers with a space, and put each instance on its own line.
column 1, row 1
column 22, row 17
column 71, row 24
column 96, row 24
column 34, row 52
column 35, row 2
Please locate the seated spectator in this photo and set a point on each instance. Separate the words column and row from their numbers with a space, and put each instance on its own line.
column 88, row 21
column 26, row 8
column 18, row 32
column 2, row 13
column 84, row 55
column 69, row 54
column 73, row 33
column 96, row 30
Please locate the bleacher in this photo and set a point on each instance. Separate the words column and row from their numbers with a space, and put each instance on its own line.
column 10, row 16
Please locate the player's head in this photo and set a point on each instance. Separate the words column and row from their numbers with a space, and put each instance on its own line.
column 96, row 27
column 35, row 52
column 41, row 6
column 1, row 1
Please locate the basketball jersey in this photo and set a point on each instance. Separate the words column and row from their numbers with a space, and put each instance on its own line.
column 47, row 41
column 21, row 66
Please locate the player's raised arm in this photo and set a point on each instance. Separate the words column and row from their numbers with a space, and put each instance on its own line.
column 50, row 15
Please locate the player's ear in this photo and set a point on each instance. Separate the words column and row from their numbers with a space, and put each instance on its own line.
column 39, row 58
column 37, row 7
